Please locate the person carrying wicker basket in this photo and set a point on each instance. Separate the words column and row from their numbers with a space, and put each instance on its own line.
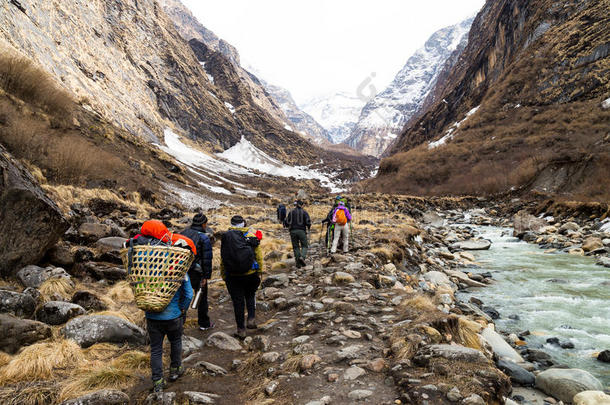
column 241, row 267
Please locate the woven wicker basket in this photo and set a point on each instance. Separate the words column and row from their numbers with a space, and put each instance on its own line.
column 156, row 273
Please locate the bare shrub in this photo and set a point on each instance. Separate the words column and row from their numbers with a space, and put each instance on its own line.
column 21, row 78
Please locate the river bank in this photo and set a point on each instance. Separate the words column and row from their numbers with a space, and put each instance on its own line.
column 380, row 323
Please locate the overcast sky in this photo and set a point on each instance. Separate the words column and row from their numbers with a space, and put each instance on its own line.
column 317, row 47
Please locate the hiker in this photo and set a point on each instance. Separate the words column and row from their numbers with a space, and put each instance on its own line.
column 201, row 269
column 241, row 267
column 299, row 223
column 168, row 323
column 340, row 218
column 281, row 213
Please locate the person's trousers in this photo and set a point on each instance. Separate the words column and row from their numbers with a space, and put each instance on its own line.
column 203, row 318
column 341, row 230
column 242, row 290
column 157, row 330
column 298, row 238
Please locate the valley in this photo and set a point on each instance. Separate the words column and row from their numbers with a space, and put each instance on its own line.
column 479, row 250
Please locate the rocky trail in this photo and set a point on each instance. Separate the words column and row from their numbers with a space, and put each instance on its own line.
column 380, row 324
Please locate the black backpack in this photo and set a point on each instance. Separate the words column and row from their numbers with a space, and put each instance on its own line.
column 236, row 252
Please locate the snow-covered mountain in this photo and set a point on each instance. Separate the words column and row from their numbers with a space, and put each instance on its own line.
column 337, row 113
column 383, row 118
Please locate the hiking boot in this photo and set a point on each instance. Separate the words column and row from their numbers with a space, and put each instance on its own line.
column 210, row 326
column 158, row 385
column 241, row 333
column 175, row 373
column 251, row 324
column 302, row 262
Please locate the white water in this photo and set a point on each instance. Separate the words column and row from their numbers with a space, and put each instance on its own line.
column 577, row 310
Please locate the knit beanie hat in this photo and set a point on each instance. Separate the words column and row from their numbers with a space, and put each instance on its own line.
column 238, row 220
column 200, row 219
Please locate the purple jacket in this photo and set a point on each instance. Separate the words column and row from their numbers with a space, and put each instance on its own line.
column 345, row 210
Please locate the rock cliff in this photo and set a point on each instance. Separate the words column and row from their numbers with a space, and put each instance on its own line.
column 523, row 106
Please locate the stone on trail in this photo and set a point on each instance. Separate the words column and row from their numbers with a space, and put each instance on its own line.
column 17, row 304
column 353, row 373
column 92, row 329
column 276, row 280
column 308, row 361
column 473, row 399
column 349, row 352
column 359, row 395
column 564, row 384
column 17, row 333
column 201, row 397
column 102, row 397
column 161, row 398
column 591, row 398
column 270, row 357
column 58, row 312
column 260, row 342
column 326, row 400
column 34, row 276
column 433, row 219
column 499, row 346
column 88, row 300
column 110, row 243
column 222, row 341
column 190, row 345
column 376, row 365
column 437, row 278
column 30, row 222
column 341, row 277
column 454, row 394
column 210, row 368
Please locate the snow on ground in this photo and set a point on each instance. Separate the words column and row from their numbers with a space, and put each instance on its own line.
column 191, row 200
column 247, row 155
column 230, row 107
column 210, row 77
column 451, row 131
column 241, row 159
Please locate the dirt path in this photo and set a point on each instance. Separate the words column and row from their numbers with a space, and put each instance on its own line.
column 319, row 339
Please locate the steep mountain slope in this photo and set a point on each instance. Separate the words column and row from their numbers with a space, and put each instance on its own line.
column 337, row 113
column 298, row 119
column 539, row 72
column 384, row 117
column 190, row 28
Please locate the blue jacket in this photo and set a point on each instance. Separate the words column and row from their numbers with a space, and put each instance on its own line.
column 204, row 249
column 180, row 302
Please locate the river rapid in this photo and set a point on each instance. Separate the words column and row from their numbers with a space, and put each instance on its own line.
column 552, row 295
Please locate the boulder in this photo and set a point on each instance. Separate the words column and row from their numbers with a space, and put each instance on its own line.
column 433, row 219
column 222, row 341
column 604, row 356
column 565, row 383
column 17, row 333
column 524, row 221
column 341, row 277
column 161, row 398
column 30, row 222
column 102, row 397
column 61, row 255
column 471, row 244
column 463, row 277
column 451, row 353
column 91, row 231
column 591, row 398
column 88, row 300
column 500, row 347
column 104, row 271
column 34, row 276
column 569, row 227
column 592, row 243
column 58, row 312
column 17, row 304
column 437, row 278
column 92, row 329
column 517, row 374
column 110, row 244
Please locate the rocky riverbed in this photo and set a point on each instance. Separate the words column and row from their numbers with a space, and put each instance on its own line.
column 380, row 324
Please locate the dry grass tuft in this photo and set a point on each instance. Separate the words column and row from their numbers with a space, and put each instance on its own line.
column 5, row 358
column 95, row 377
column 133, row 359
column 101, row 351
column 37, row 393
column 292, row 363
column 419, row 302
column 65, row 195
column 57, row 285
column 41, row 360
column 120, row 292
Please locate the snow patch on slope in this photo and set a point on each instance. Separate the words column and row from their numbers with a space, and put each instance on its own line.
column 451, row 131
